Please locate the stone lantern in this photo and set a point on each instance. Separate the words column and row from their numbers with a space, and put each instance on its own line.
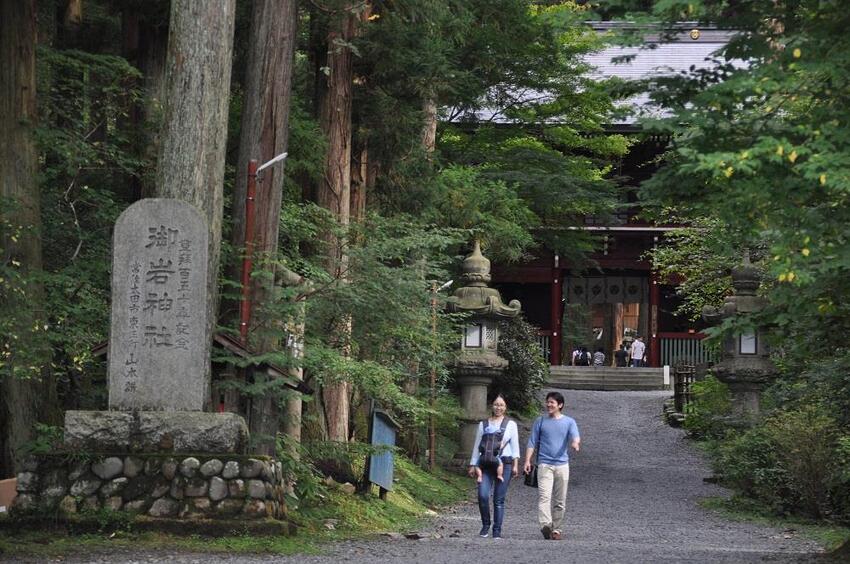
column 745, row 364
column 479, row 362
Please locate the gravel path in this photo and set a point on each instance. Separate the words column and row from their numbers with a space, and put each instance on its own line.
column 633, row 497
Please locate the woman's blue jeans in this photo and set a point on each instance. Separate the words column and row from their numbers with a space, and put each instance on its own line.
column 488, row 484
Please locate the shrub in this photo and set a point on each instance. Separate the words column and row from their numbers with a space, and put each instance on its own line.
column 748, row 462
column 705, row 416
column 527, row 370
column 795, row 461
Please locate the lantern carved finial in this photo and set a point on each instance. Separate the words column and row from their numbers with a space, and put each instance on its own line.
column 476, row 268
column 476, row 297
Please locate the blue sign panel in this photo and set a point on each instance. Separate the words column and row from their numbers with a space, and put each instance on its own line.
column 381, row 465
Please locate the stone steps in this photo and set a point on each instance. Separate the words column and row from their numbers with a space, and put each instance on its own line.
column 607, row 378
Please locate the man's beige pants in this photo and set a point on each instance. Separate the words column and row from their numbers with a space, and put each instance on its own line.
column 552, row 483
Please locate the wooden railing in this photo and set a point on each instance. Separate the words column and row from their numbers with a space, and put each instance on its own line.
column 686, row 348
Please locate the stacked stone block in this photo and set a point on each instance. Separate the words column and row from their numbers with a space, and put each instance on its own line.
column 160, row 486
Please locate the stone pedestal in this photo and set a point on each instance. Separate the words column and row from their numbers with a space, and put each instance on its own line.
column 746, row 379
column 229, row 487
column 473, row 400
column 474, row 376
column 155, row 432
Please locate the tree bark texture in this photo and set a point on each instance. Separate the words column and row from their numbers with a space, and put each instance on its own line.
column 429, row 130
column 334, row 192
column 264, row 135
column 265, row 117
column 23, row 399
column 73, row 13
column 145, row 44
column 360, row 183
column 194, row 131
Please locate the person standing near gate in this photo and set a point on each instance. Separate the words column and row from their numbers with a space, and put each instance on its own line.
column 621, row 356
column 551, row 435
column 638, row 351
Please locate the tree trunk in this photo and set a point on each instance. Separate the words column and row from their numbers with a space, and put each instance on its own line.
column 73, row 13
column 24, row 345
column 194, row 132
column 264, row 135
column 429, row 130
column 145, row 45
column 295, row 328
column 334, row 193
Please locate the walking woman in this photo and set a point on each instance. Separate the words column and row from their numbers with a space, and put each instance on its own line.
column 497, row 437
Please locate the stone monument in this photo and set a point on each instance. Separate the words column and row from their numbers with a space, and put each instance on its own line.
column 745, row 364
column 155, row 451
column 479, row 362
column 158, row 341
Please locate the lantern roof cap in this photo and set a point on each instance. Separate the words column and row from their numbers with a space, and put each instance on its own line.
column 476, row 297
column 746, row 277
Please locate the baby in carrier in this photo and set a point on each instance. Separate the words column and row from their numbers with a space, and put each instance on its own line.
column 490, row 451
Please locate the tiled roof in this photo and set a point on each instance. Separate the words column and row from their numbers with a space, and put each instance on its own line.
column 657, row 57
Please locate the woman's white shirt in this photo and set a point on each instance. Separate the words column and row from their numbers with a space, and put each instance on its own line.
column 510, row 440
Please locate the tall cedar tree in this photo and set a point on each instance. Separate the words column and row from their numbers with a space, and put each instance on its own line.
column 334, row 30
column 264, row 135
column 194, row 131
column 25, row 386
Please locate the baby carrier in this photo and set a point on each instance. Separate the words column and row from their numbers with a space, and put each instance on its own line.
column 490, row 447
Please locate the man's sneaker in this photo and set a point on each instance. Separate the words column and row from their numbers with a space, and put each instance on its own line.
column 547, row 532
column 485, row 532
column 556, row 535
column 497, row 536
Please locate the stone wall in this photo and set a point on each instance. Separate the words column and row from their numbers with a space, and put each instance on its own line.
column 172, row 486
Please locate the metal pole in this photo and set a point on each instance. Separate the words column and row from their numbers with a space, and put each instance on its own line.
column 432, row 432
column 247, row 260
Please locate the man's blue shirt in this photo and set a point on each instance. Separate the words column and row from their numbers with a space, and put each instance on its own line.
column 554, row 436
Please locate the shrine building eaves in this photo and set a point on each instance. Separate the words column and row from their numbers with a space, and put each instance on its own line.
column 662, row 54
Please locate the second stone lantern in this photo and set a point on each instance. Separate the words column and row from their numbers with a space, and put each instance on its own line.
column 745, row 364
column 479, row 362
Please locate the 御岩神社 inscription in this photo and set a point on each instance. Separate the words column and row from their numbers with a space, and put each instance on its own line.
column 158, row 346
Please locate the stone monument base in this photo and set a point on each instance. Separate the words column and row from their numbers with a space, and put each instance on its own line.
column 175, row 465
column 156, row 431
column 155, row 485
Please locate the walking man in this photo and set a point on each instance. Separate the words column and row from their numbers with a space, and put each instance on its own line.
column 550, row 435
column 637, row 352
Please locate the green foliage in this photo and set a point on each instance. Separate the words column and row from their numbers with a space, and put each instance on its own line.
column 795, row 462
column 47, row 439
column 700, row 256
column 527, row 370
column 710, row 404
column 762, row 150
column 299, row 469
column 87, row 158
column 491, row 210
column 757, row 160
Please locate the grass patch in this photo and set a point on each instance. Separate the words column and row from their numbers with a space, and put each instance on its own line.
column 416, row 491
column 738, row 508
